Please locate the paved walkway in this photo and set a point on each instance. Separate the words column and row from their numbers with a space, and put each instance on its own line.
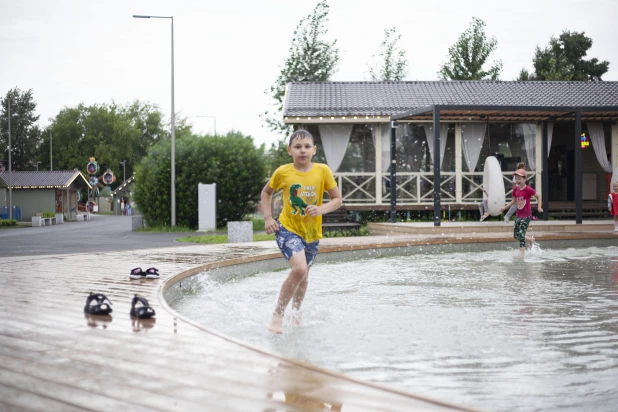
column 53, row 357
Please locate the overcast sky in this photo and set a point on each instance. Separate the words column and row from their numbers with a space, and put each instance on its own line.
column 228, row 52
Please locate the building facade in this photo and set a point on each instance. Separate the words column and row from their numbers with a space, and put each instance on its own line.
column 352, row 123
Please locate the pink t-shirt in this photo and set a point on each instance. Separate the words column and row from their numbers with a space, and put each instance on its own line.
column 522, row 201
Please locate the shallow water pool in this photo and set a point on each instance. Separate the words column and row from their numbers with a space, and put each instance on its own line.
column 489, row 330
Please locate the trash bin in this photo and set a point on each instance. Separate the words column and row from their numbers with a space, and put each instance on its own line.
column 17, row 213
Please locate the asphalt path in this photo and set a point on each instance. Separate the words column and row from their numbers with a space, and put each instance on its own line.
column 104, row 233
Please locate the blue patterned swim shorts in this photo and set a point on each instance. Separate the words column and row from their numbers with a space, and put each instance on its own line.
column 290, row 244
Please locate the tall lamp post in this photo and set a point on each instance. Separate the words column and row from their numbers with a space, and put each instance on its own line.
column 123, row 163
column 214, row 118
column 173, row 117
column 8, row 103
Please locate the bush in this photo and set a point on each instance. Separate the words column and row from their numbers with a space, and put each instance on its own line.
column 8, row 222
column 232, row 162
column 49, row 214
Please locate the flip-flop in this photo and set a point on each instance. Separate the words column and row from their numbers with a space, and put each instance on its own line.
column 100, row 307
column 142, row 312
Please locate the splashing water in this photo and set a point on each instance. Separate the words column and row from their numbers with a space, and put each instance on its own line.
column 490, row 330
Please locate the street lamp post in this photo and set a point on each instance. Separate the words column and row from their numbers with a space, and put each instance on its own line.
column 123, row 163
column 214, row 118
column 10, row 168
column 173, row 188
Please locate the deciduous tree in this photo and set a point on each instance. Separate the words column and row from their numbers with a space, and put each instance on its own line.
column 25, row 134
column 311, row 58
column 392, row 63
column 469, row 54
column 563, row 59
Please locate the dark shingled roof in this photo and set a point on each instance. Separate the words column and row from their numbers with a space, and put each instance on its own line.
column 42, row 179
column 390, row 98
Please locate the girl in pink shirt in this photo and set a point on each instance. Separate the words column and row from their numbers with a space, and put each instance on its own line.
column 522, row 194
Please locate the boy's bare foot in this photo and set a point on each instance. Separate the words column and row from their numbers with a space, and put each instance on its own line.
column 276, row 325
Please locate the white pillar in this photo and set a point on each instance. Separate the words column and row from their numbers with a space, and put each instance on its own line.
column 458, row 172
column 378, row 145
column 538, row 158
column 614, row 145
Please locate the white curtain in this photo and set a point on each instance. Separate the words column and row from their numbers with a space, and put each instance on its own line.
column 473, row 135
column 335, row 138
column 443, row 136
column 597, row 137
column 550, row 133
column 528, row 130
column 386, row 146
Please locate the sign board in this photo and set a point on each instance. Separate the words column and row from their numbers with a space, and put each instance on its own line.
column 207, row 206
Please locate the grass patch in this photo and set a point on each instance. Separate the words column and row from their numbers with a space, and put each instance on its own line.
column 216, row 239
column 165, row 229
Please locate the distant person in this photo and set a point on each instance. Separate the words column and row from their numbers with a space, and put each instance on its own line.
column 612, row 204
column 512, row 209
column 122, row 206
column 484, row 206
column 299, row 227
column 522, row 194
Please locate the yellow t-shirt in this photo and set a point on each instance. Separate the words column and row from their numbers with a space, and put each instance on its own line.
column 301, row 189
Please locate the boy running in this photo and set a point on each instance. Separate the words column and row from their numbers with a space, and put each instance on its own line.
column 522, row 194
column 299, row 227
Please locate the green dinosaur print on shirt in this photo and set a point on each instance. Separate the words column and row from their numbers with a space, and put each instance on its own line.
column 297, row 203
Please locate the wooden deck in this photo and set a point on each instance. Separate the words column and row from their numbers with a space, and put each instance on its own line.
column 54, row 358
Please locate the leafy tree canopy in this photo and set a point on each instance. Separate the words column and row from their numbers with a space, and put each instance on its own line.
column 392, row 62
column 469, row 54
column 109, row 132
column 563, row 59
column 25, row 134
column 311, row 58
column 231, row 161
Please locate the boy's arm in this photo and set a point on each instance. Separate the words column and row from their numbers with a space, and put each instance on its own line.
column 270, row 224
column 333, row 204
column 539, row 206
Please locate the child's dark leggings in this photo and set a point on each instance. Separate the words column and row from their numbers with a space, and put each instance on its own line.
column 520, row 228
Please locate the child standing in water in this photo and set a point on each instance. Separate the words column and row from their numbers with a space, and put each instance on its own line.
column 522, row 194
column 511, row 212
column 484, row 206
column 612, row 204
column 299, row 227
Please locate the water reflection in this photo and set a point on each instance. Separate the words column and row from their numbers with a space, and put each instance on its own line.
column 490, row 330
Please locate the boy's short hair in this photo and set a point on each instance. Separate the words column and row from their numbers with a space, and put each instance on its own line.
column 300, row 134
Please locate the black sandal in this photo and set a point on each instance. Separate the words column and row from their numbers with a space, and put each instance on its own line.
column 137, row 273
column 100, row 307
column 141, row 312
column 152, row 273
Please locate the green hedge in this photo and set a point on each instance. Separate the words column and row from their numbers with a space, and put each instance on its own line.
column 8, row 222
column 231, row 161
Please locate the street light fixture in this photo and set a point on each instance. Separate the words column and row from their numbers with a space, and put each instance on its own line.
column 173, row 118
column 123, row 163
column 8, row 103
column 214, row 118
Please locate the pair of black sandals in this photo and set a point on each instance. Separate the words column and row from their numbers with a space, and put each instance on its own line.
column 99, row 304
column 138, row 273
